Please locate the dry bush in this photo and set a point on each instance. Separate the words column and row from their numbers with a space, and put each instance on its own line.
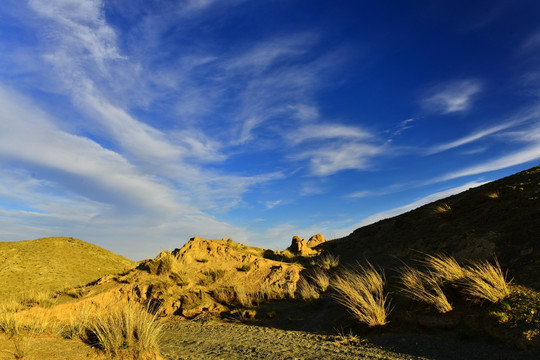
column 493, row 194
column 125, row 330
column 486, row 281
column 77, row 292
column 320, row 278
column 225, row 295
column 34, row 297
column 166, row 262
column 444, row 268
column 246, row 298
column 307, row 291
column 442, row 208
column 361, row 291
column 328, row 261
column 422, row 287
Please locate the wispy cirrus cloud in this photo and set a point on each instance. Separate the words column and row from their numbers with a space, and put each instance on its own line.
column 332, row 158
column 451, row 97
column 521, row 118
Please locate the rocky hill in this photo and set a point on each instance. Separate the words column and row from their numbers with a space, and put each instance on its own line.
column 499, row 219
column 54, row 263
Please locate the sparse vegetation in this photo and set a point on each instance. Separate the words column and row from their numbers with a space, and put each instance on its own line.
column 444, row 268
column 320, row 278
column 125, row 330
column 328, row 261
column 166, row 262
column 486, row 281
column 307, row 291
column 361, row 291
column 424, row 287
column 442, row 208
column 244, row 268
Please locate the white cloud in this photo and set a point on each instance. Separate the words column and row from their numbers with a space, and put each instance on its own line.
column 332, row 158
column 272, row 204
column 328, row 131
column 265, row 54
column 527, row 115
column 451, row 97
column 525, row 155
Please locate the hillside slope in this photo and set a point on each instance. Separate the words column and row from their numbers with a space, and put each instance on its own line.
column 52, row 264
column 501, row 219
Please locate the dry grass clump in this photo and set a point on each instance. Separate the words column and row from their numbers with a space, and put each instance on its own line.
column 127, row 331
column 444, row 268
column 166, row 262
column 486, row 281
column 9, row 324
column 361, row 291
column 246, row 298
column 442, row 208
column 307, row 291
column 424, row 287
column 328, row 261
column 320, row 278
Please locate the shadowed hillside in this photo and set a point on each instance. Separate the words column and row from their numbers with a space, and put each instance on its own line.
column 501, row 219
column 52, row 264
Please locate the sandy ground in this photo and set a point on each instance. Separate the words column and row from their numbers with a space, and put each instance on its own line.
column 218, row 340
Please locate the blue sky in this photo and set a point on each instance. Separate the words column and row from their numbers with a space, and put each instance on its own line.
column 137, row 124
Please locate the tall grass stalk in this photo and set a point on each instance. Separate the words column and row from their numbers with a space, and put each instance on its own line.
column 361, row 291
column 126, row 329
column 486, row 281
column 445, row 268
column 424, row 287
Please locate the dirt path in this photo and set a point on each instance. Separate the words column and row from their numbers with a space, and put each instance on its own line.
column 217, row 340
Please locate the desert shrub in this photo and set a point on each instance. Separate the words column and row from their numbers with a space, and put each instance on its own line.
column 77, row 292
column 212, row 276
column 442, row 208
column 244, row 268
column 179, row 279
column 328, row 261
column 423, row 287
column 361, row 291
column 125, row 330
column 320, row 278
column 41, row 298
column 246, row 298
column 166, row 262
column 486, row 281
column 307, row 291
column 444, row 268
column 224, row 295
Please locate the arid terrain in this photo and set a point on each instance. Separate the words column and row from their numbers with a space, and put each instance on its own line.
column 455, row 279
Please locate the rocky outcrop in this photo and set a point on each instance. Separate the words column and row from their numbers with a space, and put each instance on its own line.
column 315, row 241
column 299, row 246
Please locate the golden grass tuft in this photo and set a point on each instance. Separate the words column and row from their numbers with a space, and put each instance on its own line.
column 320, row 278
column 126, row 331
column 442, row 208
column 307, row 291
column 361, row 291
column 444, row 268
column 486, row 281
column 423, row 287
column 165, row 263
column 328, row 261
